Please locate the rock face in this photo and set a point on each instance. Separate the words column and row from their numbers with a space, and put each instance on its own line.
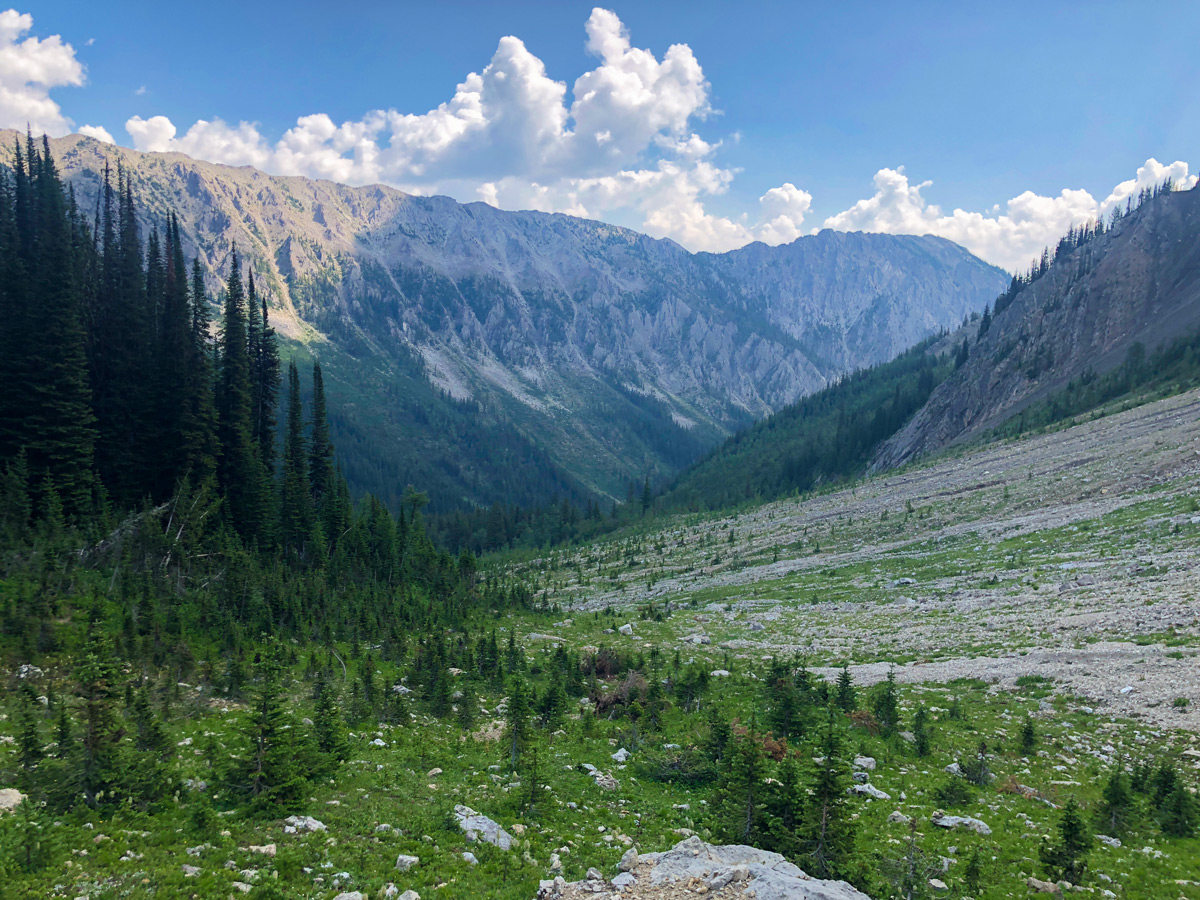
column 1137, row 284
column 537, row 313
column 693, row 867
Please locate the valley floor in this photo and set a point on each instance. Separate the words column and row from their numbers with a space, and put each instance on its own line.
column 1071, row 555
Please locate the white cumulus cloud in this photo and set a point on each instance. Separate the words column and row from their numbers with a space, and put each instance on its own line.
column 98, row 132
column 619, row 143
column 29, row 69
column 1012, row 238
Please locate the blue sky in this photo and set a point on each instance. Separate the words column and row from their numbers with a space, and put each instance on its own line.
column 820, row 103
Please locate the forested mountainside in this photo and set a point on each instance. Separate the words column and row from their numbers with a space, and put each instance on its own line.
column 1112, row 312
column 518, row 356
column 1103, row 298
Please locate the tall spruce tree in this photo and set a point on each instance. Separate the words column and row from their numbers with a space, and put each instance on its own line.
column 827, row 828
column 55, row 424
column 297, row 521
column 241, row 471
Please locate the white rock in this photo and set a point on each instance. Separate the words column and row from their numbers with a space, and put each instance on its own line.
column 304, row 823
column 942, row 820
column 480, row 828
column 404, row 862
column 626, row 629
column 621, row 755
column 869, row 790
column 10, row 799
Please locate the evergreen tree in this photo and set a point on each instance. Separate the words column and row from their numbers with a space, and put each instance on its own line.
column 264, row 374
column 1117, row 805
column 827, row 828
column 1028, row 737
column 785, row 809
column 51, row 419
column 886, row 706
column 845, row 693
column 321, row 474
column 1178, row 816
column 1066, row 858
column 274, row 775
column 241, row 471
column 329, row 726
column 297, row 520
column 518, row 718
column 739, row 805
column 99, row 743
column 922, row 731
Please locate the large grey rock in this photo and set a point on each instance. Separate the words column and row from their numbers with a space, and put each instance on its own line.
column 942, row 820
column 404, row 862
column 480, row 828
column 763, row 875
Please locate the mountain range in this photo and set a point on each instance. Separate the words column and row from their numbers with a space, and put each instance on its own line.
column 493, row 355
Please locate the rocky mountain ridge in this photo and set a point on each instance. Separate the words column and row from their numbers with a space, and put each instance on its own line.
column 616, row 354
column 1136, row 284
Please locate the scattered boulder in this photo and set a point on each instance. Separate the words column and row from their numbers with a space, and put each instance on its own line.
column 604, row 781
column 628, row 860
column 1109, row 841
column 350, row 895
column 409, row 895
column 869, row 790
column 1042, row 887
column 404, row 862
column 10, row 799
column 294, row 824
column 865, row 762
column 480, row 828
column 942, row 820
column 470, row 858
column 621, row 755
column 626, row 629
column 900, row 817
column 265, row 849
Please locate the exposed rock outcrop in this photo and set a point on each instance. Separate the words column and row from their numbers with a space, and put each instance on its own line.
column 719, row 872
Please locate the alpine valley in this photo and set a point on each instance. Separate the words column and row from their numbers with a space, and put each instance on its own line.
column 503, row 356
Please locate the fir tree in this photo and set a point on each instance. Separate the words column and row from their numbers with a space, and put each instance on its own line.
column 827, row 828
column 922, row 731
column 1116, row 806
column 297, row 521
column 845, row 693
column 739, row 806
column 886, row 706
column 517, row 716
column 1178, row 816
column 785, row 809
column 241, row 471
column 1028, row 737
column 1066, row 857
column 273, row 776
column 328, row 725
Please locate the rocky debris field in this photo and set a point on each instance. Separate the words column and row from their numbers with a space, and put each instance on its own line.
column 1071, row 555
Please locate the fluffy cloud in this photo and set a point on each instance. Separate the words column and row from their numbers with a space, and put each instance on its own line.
column 1011, row 239
column 97, row 132
column 29, row 68
column 619, row 144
